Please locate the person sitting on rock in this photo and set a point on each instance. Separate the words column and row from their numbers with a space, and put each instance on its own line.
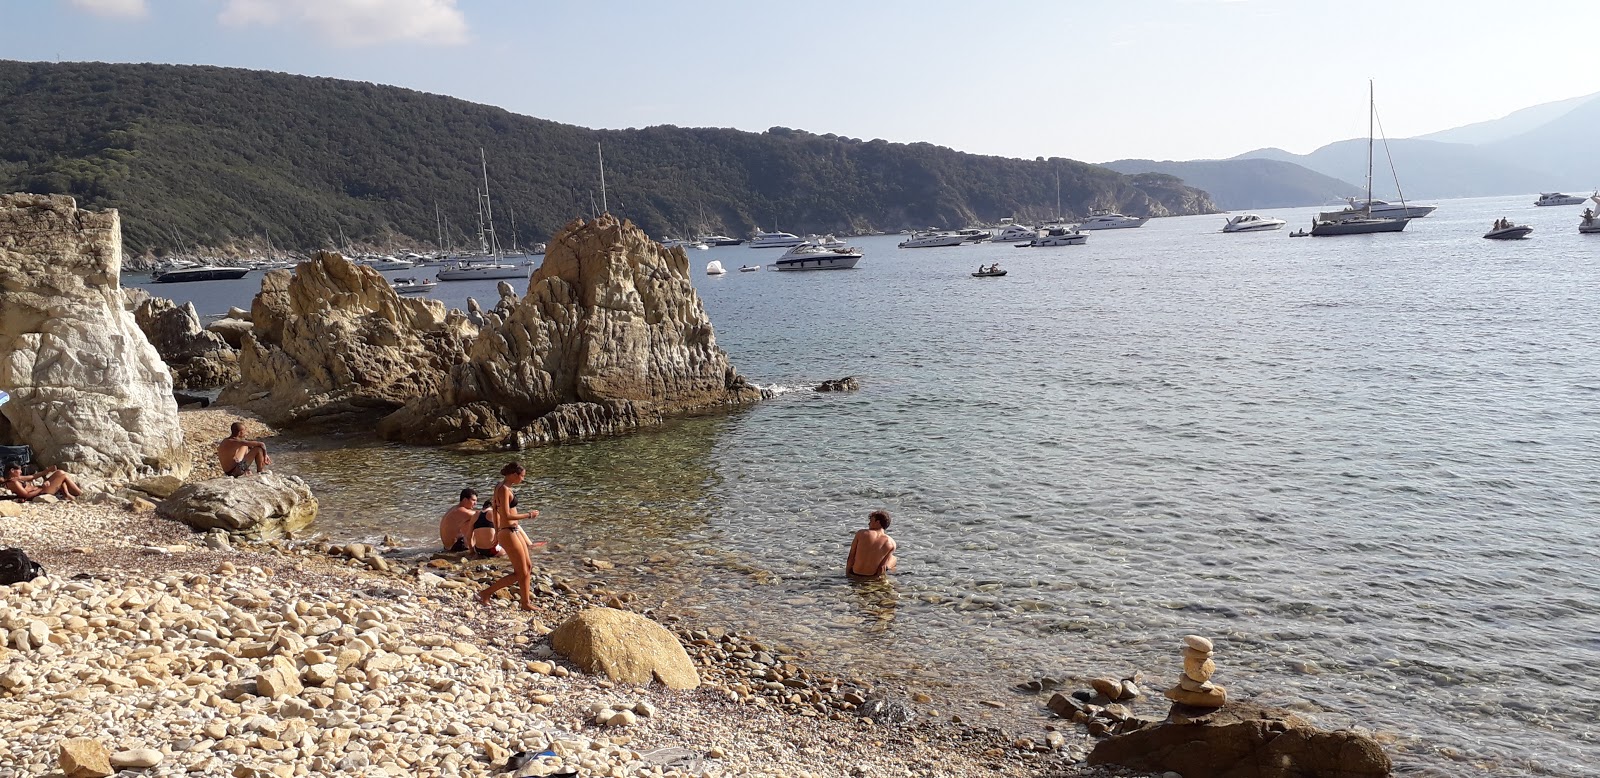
column 55, row 482
column 872, row 550
column 236, row 455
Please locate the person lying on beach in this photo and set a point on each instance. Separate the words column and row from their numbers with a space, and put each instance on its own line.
column 465, row 528
column 54, row 480
column 872, row 550
column 235, row 454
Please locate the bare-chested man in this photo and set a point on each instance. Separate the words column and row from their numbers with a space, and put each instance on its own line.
column 872, row 551
column 236, row 455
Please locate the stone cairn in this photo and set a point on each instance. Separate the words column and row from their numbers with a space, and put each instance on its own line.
column 1194, row 685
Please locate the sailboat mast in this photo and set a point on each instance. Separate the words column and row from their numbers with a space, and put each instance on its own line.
column 604, row 207
column 1372, row 104
column 488, row 205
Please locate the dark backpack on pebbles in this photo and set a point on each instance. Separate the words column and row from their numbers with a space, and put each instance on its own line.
column 16, row 567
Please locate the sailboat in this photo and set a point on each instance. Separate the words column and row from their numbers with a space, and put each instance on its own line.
column 1359, row 222
column 493, row 263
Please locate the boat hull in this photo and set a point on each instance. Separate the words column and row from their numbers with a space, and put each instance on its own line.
column 207, row 274
column 1561, row 201
column 1119, row 224
column 1357, row 227
column 989, row 275
column 1509, row 233
column 933, row 243
column 482, row 273
column 817, row 263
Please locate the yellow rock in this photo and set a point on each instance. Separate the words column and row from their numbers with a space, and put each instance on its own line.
column 83, row 757
column 1216, row 698
column 626, row 647
column 1199, row 669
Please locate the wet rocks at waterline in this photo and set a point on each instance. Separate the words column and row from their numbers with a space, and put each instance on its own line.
column 1194, row 685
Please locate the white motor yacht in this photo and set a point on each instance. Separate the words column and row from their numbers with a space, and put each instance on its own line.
column 479, row 271
column 1016, row 232
column 1557, row 198
column 974, row 235
column 808, row 257
column 928, row 240
column 413, row 285
column 1386, row 210
column 387, row 263
column 718, row 240
column 1056, row 236
column 1108, row 220
column 1249, row 222
column 826, row 241
column 775, row 240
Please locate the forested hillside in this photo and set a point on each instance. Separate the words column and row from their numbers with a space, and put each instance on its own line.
column 205, row 156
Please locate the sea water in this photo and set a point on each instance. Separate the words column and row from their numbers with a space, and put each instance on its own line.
column 1365, row 466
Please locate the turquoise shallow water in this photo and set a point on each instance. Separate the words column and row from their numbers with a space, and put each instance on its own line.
column 1364, row 465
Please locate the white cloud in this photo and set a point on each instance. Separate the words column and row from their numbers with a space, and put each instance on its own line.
column 355, row 22
column 126, row 8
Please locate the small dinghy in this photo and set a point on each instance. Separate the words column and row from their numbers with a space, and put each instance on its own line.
column 714, row 268
column 1505, row 230
column 1299, row 234
column 989, row 274
column 749, row 268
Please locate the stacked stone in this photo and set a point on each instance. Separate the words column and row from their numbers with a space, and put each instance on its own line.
column 1195, row 686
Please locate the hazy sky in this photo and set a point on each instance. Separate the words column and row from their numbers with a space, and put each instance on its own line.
column 1095, row 81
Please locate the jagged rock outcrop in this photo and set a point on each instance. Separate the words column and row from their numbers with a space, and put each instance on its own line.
column 198, row 359
column 88, row 391
column 333, row 343
column 260, row 506
column 1243, row 740
column 610, row 336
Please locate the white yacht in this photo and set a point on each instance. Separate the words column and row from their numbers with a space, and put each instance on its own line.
column 718, row 240
column 1557, row 198
column 479, row 271
column 387, row 263
column 775, row 240
column 1016, row 232
column 928, row 240
column 826, row 241
column 1249, row 222
column 413, row 285
column 1386, row 210
column 1056, row 236
column 974, row 235
column 672, row 243
column 808, row 257
column 1108, row 220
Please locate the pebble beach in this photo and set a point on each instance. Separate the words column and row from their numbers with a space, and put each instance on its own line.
column 151, row 648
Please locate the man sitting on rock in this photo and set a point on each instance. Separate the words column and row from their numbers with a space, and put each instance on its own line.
column 55, row 482
column 872, row 551
column 236, row 455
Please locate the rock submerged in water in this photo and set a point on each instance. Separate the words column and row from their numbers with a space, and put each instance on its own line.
column 1244, row 740
column 846, row 384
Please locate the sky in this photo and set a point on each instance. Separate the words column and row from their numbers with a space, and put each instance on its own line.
column 1093, row 81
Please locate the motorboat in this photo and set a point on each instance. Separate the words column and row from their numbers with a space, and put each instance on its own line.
column 1591, row 218
column 387, row 263
column 1362, row 222
column 483, row 270
column 714, row 268
column 1056, row 236
column 1505, row 230
column 826, row 241
column 809, row 257
column 1387, row 210
column 200, row 273
column 1109, row 220
column 718, row 240
column 413, row 285
column 749, row 268
column 1299, row 234
column 1249, row 222
column 974, row 235
column 1016, row 232
column 673, row 243
column 995, row 273
column 1557, row 198
column 928, row 240
column 775, row 240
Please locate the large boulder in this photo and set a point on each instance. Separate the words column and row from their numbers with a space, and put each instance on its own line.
column 88, row 391
column 332, row 343
column 626, row 647
column 261, row 506
column 610, row 336
column 198, row 358
column 1243, row 740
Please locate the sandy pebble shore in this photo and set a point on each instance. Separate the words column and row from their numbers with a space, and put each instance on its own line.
column 284, row 660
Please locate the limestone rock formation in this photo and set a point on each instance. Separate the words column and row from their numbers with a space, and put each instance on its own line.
column 625, row 647
column 88, row 391
column 610, row 336
column 333, row 343
column 198, row 358
column 262, row 506
column 1243, row 740
column 231, row 330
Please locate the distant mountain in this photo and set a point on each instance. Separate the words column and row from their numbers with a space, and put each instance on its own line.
column 207, row 156
column 1564, row 145
column 1510, row 125
column 1427, row 169
column 1243, row 184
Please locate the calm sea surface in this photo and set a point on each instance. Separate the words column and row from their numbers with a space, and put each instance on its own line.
column 1367, row 466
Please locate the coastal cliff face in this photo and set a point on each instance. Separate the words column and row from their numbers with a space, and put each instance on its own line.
column 88, row 391
column 610, row 336
column 333, row 343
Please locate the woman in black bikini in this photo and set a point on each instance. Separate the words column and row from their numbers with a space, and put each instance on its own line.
column 511, row 537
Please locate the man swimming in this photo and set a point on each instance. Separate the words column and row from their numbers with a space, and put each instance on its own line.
column 872, row 550
column 235, row 454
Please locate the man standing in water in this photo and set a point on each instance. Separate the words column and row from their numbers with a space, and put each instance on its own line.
column 872, row 551
column 235, row 454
